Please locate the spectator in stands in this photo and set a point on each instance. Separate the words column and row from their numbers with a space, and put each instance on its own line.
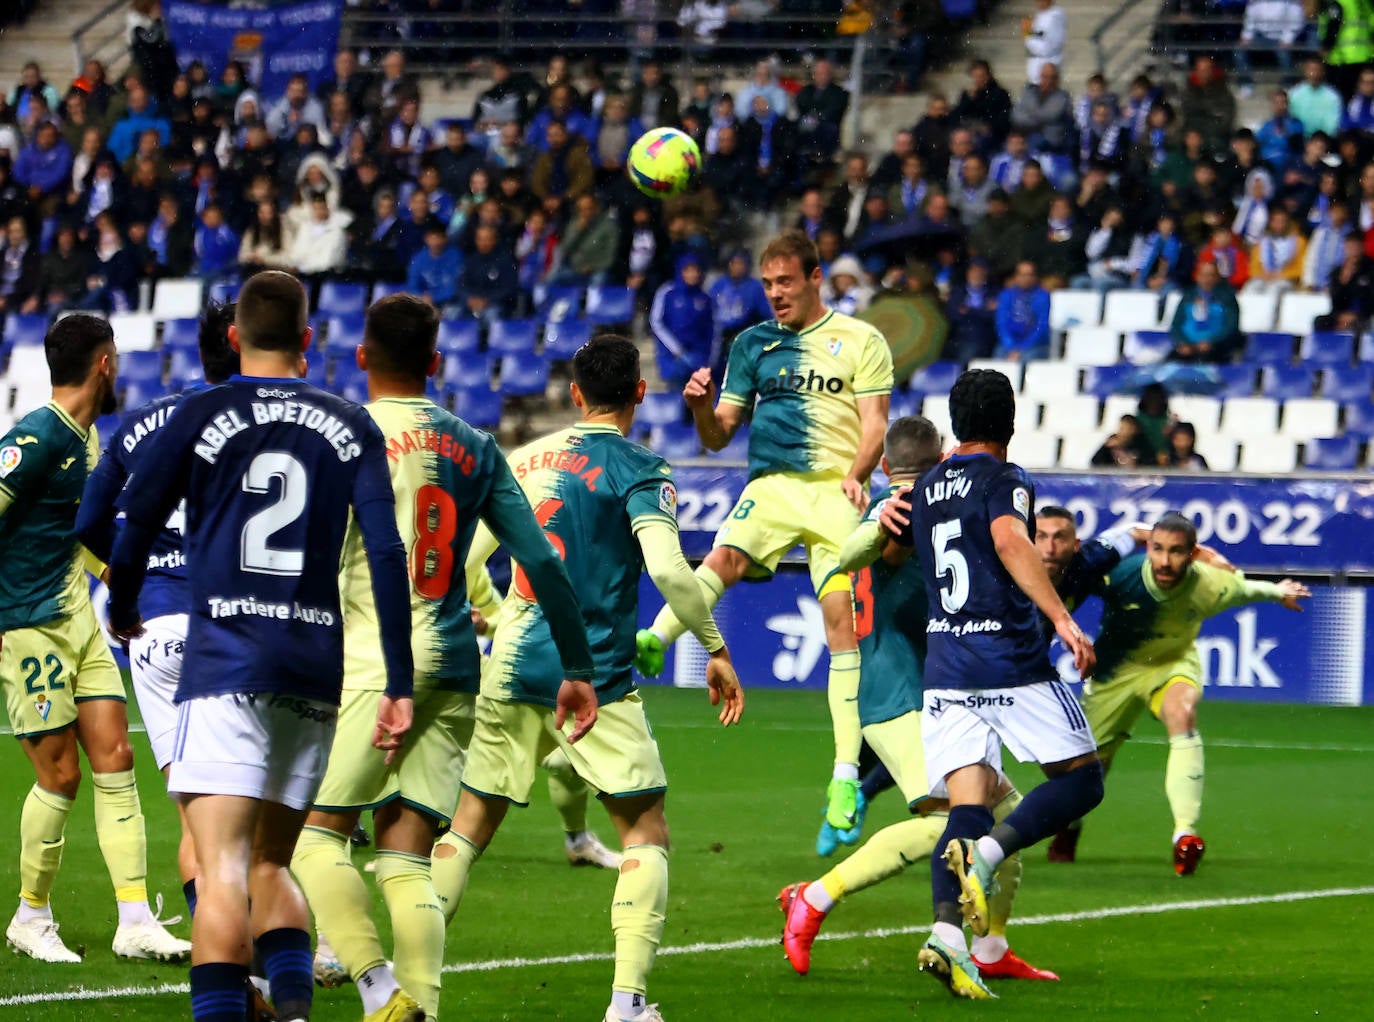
column 998, row 238
column 1095, row 194
column 1343, row 37
column 1228, row 254
column 1148, row 156
column 490, row 214
column 104, row 190
column 914, row 25
column 561, row 107
column 142, row 196
column 703, row 100
column 1203, row 205
column 847, row 201
column 960, row 149
column 419, row 216
column 984, row 107
column 489, row 282
column 762, row 81
column 1315, row 104
column 43, row 167
column 1271, row 26
column 821, row 106
column 1094, row 91
column 62, row 273
column 563, row 172
column 829, row 246
column 907, row 197
column 1128, row 447
column 613, row 134
column 139, row 118
column 1183, row 455
column 644, row 259
column 1030, row 203
column 1006, row 166
column 1023, row 317
column 729, row 174
column 845, row 288
column 970, row 200
column 1044, row 112
column 20, row 270
column 1155, row 420
column 1208, row 105
column 1280, row 137
column 1206, row 324
column 738, row 299
column 705, row 20
column 876, row 218
column 94, row 83
column 266, row 244
column 386, row 250
column 972, row 315
column 889, row 169
column 216, row 246
column 683, row 324
column 1044, row 33
column 536, row 254
column 112, row 272
column 170, row 239
column 653, row 100
column 151, row 48
column 1358, row 114
column 1057, row 248
column 383, row 98
column 1252, row 215
column 509, row 150
column 930, row 136
column 1108, row 251
column 1142, row 97
column 1103, row 139
column 1162, row 259
column 320, row 246
column 503, row 102
column 1352, row 290
column 76, row 121
column 150, row 148
column 434, row 270
column 589, row 244
column 1237, row 164
column 407, row 140
column 811, row 216
column 296, row 107
column 456, row 159
column 347, row 79
column 1276, row 259
column 1325, row 248
column 31, row 84
column 771, row 138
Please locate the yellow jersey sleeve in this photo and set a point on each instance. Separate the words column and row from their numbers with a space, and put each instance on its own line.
column 873, row 375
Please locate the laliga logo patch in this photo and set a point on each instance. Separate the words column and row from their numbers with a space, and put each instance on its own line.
column 667, row 499
column 833, row 346
column 44, row 707
column 1020, row 500
column 10, row 457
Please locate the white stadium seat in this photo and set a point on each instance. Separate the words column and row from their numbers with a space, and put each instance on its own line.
column 1203, row 412
column 1131, row 310
column 1220, row 450
column 1077, row 449
column 177, row 299
column 1045, row 380
column 1070, row 415
column 936, row 409
column 1027, row 415
column 1268, row 454
column 1075, row 308
column 1039, row 450
column 1092, row 346
column 1171, row 303
column 1247, row 416
column 1310, row 418
column 1257, row 311
column 1011, row 370
column 1115, row 407
column 134, row 331
column 1298, row 309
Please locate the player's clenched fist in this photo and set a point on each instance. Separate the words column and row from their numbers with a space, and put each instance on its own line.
column 700, row 391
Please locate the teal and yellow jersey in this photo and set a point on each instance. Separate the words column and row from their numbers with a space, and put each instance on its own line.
column 591, row 490
column 802, row 390
column 1145, row 625
column 44, row 461
column 890, row 622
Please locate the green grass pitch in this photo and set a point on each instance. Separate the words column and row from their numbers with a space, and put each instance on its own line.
column 1288, row 811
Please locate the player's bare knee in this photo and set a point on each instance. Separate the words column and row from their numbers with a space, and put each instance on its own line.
column 61, row 777
column 728, row 564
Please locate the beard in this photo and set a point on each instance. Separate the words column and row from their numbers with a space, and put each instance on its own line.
column 109, row 404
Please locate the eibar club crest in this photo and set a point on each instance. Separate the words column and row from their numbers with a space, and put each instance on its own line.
column 833, row 346
column 44, row 707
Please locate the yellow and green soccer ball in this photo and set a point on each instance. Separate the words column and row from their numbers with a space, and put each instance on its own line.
column 663, row 162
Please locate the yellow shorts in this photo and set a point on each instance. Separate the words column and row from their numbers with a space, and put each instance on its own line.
column 898, row 744
column 426, row 773
column 779, row 511
column 1113, row 704
column 618, row 757
column 46, row 671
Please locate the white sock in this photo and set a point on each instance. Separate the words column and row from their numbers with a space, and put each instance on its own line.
column 991, row 851
column 989, row 949
column 375, row 987
column 1178, row 834
column 627, row 1005
column 846, row 772
column 132, row 913
column 952, row 935
column 572, row 838
column 818, row 897
column 27, row 913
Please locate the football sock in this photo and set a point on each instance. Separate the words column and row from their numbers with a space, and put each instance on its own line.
column 876, row 781
column 289, row 966
column 969, row 821
column 339, row 898
column 638, row 909
column 417, row 925
column 567, row 791
column 952, row 934
column 375, row 987
column 1183, row 781
column 41, row 825
column 667, row 627
column 454, row 857
column 1008, row 883
column 119, row 831
column 188, row 891
column 884, row 855
column 991, row 948
column 843, row 695
column 1044, row 810
column 219, row 992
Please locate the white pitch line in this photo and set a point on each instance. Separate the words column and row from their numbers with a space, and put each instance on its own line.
column 755, row 943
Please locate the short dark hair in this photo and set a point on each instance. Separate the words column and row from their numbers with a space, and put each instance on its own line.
column 912, row 444
column 606, row 369
column 982, row 407
column 71, row 344
column 793, row 243
column 217, row 355
column 400, row 335
column 271, row 312
column 1173, row 521
column 1057, row 511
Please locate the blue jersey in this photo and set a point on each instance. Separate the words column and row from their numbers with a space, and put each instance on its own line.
column 165, row 591
column 984, row 632
column 269, row 469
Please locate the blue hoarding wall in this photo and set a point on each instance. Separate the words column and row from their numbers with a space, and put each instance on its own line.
column 273, row 44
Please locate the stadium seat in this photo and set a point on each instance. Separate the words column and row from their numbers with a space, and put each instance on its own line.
column 1221, row 451
column 936, row 408
column 1258, row 311
column 1092, row 346
column 1328, row 348
column 467, row 369
column 385, row 289
column 1297, row 310
column 1171, row 303
column 478, row 405
column 177, row 299
column 134, row 331
column 1035, row 450
column 1027, row 418
column 141, row 367
column 525, row 374
column 555, row 304
column 936, row 378
column 1285, row 382
column 1236, row 380
column 1077, row 449
column 563, row 338
column 1075, row 308
column 903, row 403
column 1350, row 383
column 1045, row 380
column 185, row 369
column 343, row 333
column 1203, row 412
column 21, row 328
column 1338, row 454
column 1268, row 455
column 1132, row 310
column 1115, row 406
column 340, row 299
column 661, row 408
column 349, row 381
column 138, row 393
column 1242, row 416
column 459, row 335
column 1147, row 347
column 610, row 304
column 225, row 291
column 1104, row 381
column 1359, row 419
column 315, row 370
column 1066, row 416
column 1269, row 348
column 1307, row 417
column 675, row 440
column 512, row 336
column 1011, row 370
column 181, row 333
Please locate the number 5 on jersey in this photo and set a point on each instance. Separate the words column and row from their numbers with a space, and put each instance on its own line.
column 949, row 561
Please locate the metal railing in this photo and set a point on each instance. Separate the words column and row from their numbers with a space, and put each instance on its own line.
column 102, row 36
column 1120, row 48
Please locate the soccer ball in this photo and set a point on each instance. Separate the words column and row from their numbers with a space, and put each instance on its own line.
column 663, row 162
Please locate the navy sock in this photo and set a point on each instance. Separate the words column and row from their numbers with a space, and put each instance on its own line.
column 219, row 992
column 967, row 822
column 288, row 964
column 876, row 781
column 189, row 890
column 1049, row 807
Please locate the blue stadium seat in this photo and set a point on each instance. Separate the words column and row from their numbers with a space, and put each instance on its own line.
column 107, row 424
column 385, row 289
column 675, row 441
column 661, row 408
column 1359, row 419
column 339, row 299
column 610, row 304
column 225, row 291
column 467, row 369
column 181, row 333
column 343, row 333
column 1146, row 347
column 556, row 304
column 1236, row 380
column 1349, row 383
column 459, row 335
column 904, row 403
column 1283, row 382
column 1104, row 381
column 562, row 339
column 185, row 363
column 512, row 336
column 936, row 378
column 139, row 392
column 142, row 367
column 1269, row 348
column 1339, row 454
column 25, row 329
column 1329, row 349
column 349, row 381
column 315, row 370
column 478, row 406
column 525, row 374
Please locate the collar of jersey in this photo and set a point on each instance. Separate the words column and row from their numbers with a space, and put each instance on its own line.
column 813, row 327
column 67, row 420
column 1152, row 587
column 240, row 378
column 394, row 399
column 596, row 427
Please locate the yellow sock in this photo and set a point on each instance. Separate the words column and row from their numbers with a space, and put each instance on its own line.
column 338, row 898
column 667, row 627
column 1008, row 873
column 1183, row 782
column 41, row 825
column 417, row 925
column 567, row 791
column 454, row 857
column 119, row 831
column 885, row 854
column 638, row 910
column 843, row 695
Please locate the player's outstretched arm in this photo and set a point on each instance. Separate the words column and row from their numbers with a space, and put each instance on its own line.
column 374, row 507
column 863, row 547
column 1292, row 591
column 873, row 412
column 1022, row 561
column 716, row 422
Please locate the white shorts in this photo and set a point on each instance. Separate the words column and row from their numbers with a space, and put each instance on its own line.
column 1040, row 723
column 264, row 746
column 155, row 663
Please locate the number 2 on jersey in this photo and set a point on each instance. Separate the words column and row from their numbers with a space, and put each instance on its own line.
column 431, row 559
column 951, row 562
column 254, row 552
column 543, row 512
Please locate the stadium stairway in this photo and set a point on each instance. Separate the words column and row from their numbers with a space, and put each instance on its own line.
column 47, row 39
